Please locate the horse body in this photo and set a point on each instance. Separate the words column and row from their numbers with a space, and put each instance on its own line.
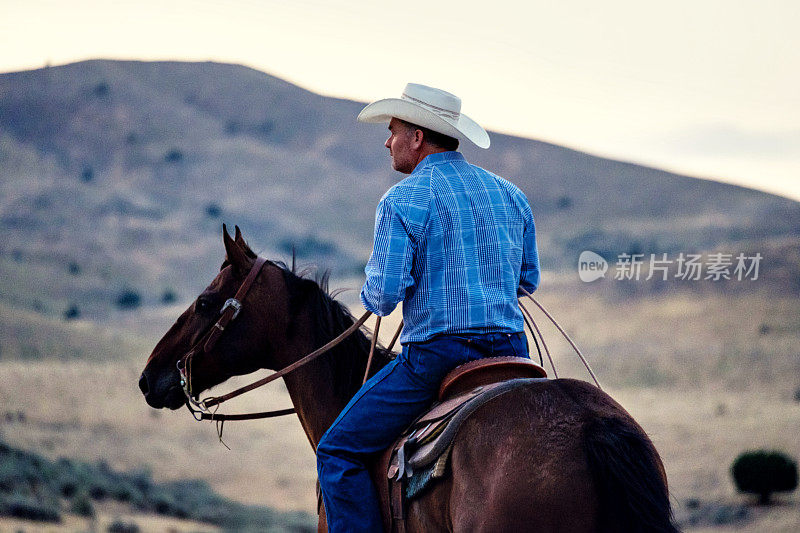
column 515, row 466
column 527, row 461
column 558, row 455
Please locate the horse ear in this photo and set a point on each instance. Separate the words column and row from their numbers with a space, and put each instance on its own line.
column 235, row 253
column 226, row 240
column 238, row 238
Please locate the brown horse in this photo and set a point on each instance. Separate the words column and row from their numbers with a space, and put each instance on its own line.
column 559, row 455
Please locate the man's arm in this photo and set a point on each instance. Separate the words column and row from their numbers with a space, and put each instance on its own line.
column 389, row 267
column 529, row 273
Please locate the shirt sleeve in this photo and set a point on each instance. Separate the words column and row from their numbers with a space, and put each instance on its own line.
column 389, row 267
column 530, row 273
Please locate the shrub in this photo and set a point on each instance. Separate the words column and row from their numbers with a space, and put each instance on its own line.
column 169, row 296
column 98, row 491
column 173, row 156
column 68, row 487
column 82, row 506
column 31, row 487
column 129, row 299
column 764, row 472
column 87, row 175
column 264, row 128
column 72, row 313
column 119, row 526
column 28, row 508
column 213, row 210
column 309, row 246
column 564, row 202
column 101, row 90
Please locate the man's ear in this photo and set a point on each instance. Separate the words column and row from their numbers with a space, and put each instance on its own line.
column 417, row 139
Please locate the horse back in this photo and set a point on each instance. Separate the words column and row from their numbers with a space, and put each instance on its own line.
column 526, row 461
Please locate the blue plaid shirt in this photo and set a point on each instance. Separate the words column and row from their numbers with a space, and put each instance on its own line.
column 453, row 242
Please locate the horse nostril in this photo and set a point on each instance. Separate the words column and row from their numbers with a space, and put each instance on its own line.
column 143, row 385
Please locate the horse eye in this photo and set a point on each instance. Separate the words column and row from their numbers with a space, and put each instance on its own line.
column 203, row 305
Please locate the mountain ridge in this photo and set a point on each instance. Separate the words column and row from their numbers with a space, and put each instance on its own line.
column 128, row 168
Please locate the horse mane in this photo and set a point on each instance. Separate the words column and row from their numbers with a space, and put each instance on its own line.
column 347, row 361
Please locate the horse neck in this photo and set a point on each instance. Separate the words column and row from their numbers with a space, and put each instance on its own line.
column 317, row 389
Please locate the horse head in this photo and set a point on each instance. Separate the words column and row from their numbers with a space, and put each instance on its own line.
column 246, row 345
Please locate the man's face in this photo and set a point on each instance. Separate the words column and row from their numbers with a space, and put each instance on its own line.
column 399, row 143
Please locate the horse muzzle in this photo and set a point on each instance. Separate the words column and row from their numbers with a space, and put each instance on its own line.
column 160, row 395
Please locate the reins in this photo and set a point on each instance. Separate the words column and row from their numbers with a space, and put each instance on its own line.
column 216, row 400
column 202, row 409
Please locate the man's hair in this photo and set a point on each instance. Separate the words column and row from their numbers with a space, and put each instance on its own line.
column 434, row 137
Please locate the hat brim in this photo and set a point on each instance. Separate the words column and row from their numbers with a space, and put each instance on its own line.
column 388, row 108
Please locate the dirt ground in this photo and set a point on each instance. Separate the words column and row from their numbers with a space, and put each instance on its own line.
column 93, row 410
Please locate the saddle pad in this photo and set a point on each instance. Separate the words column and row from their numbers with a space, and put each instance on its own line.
column 431, row 449
column 427, row 438
column 422, row 479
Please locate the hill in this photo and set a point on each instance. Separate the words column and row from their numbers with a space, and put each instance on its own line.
column 115, row 177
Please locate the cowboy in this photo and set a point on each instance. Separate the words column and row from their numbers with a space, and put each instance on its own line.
column 454, row 243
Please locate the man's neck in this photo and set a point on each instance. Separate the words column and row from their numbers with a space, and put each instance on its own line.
column 426, row 151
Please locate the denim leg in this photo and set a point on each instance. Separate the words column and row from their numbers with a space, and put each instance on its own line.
column 380, row 411
column 370, row 422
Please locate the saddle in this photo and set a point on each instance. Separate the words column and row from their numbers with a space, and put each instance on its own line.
column 420, row 456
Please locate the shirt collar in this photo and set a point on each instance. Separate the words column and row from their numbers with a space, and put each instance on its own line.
column 440, row 157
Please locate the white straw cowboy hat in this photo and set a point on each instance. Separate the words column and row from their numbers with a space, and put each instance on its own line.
column 430, row 108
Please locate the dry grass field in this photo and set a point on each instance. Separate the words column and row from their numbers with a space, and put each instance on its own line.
column 108, row 516
column 707, row 377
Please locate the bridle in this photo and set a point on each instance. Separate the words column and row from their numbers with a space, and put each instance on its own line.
column 230, row 310
column 202, row 409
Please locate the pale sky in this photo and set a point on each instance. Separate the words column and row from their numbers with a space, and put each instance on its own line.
column 706, row 88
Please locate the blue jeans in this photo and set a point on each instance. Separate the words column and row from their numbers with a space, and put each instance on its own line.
column 387, row 403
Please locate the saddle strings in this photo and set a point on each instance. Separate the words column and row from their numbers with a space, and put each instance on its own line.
column 544, row 344
column 533, row 335
column 564, row 333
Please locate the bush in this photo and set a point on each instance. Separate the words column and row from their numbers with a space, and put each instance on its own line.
column 98, row 491
column 129, row 299
column 82, row 506
column 72, row 313
column 169, row 297
column 28, row 508
column 32, row 486
column 87, row 175
column 213, row 210
column 564, row 202
column 764, row 472
column 101, row 90
column 309, row 246
column 119, row 526
column 173, row 156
